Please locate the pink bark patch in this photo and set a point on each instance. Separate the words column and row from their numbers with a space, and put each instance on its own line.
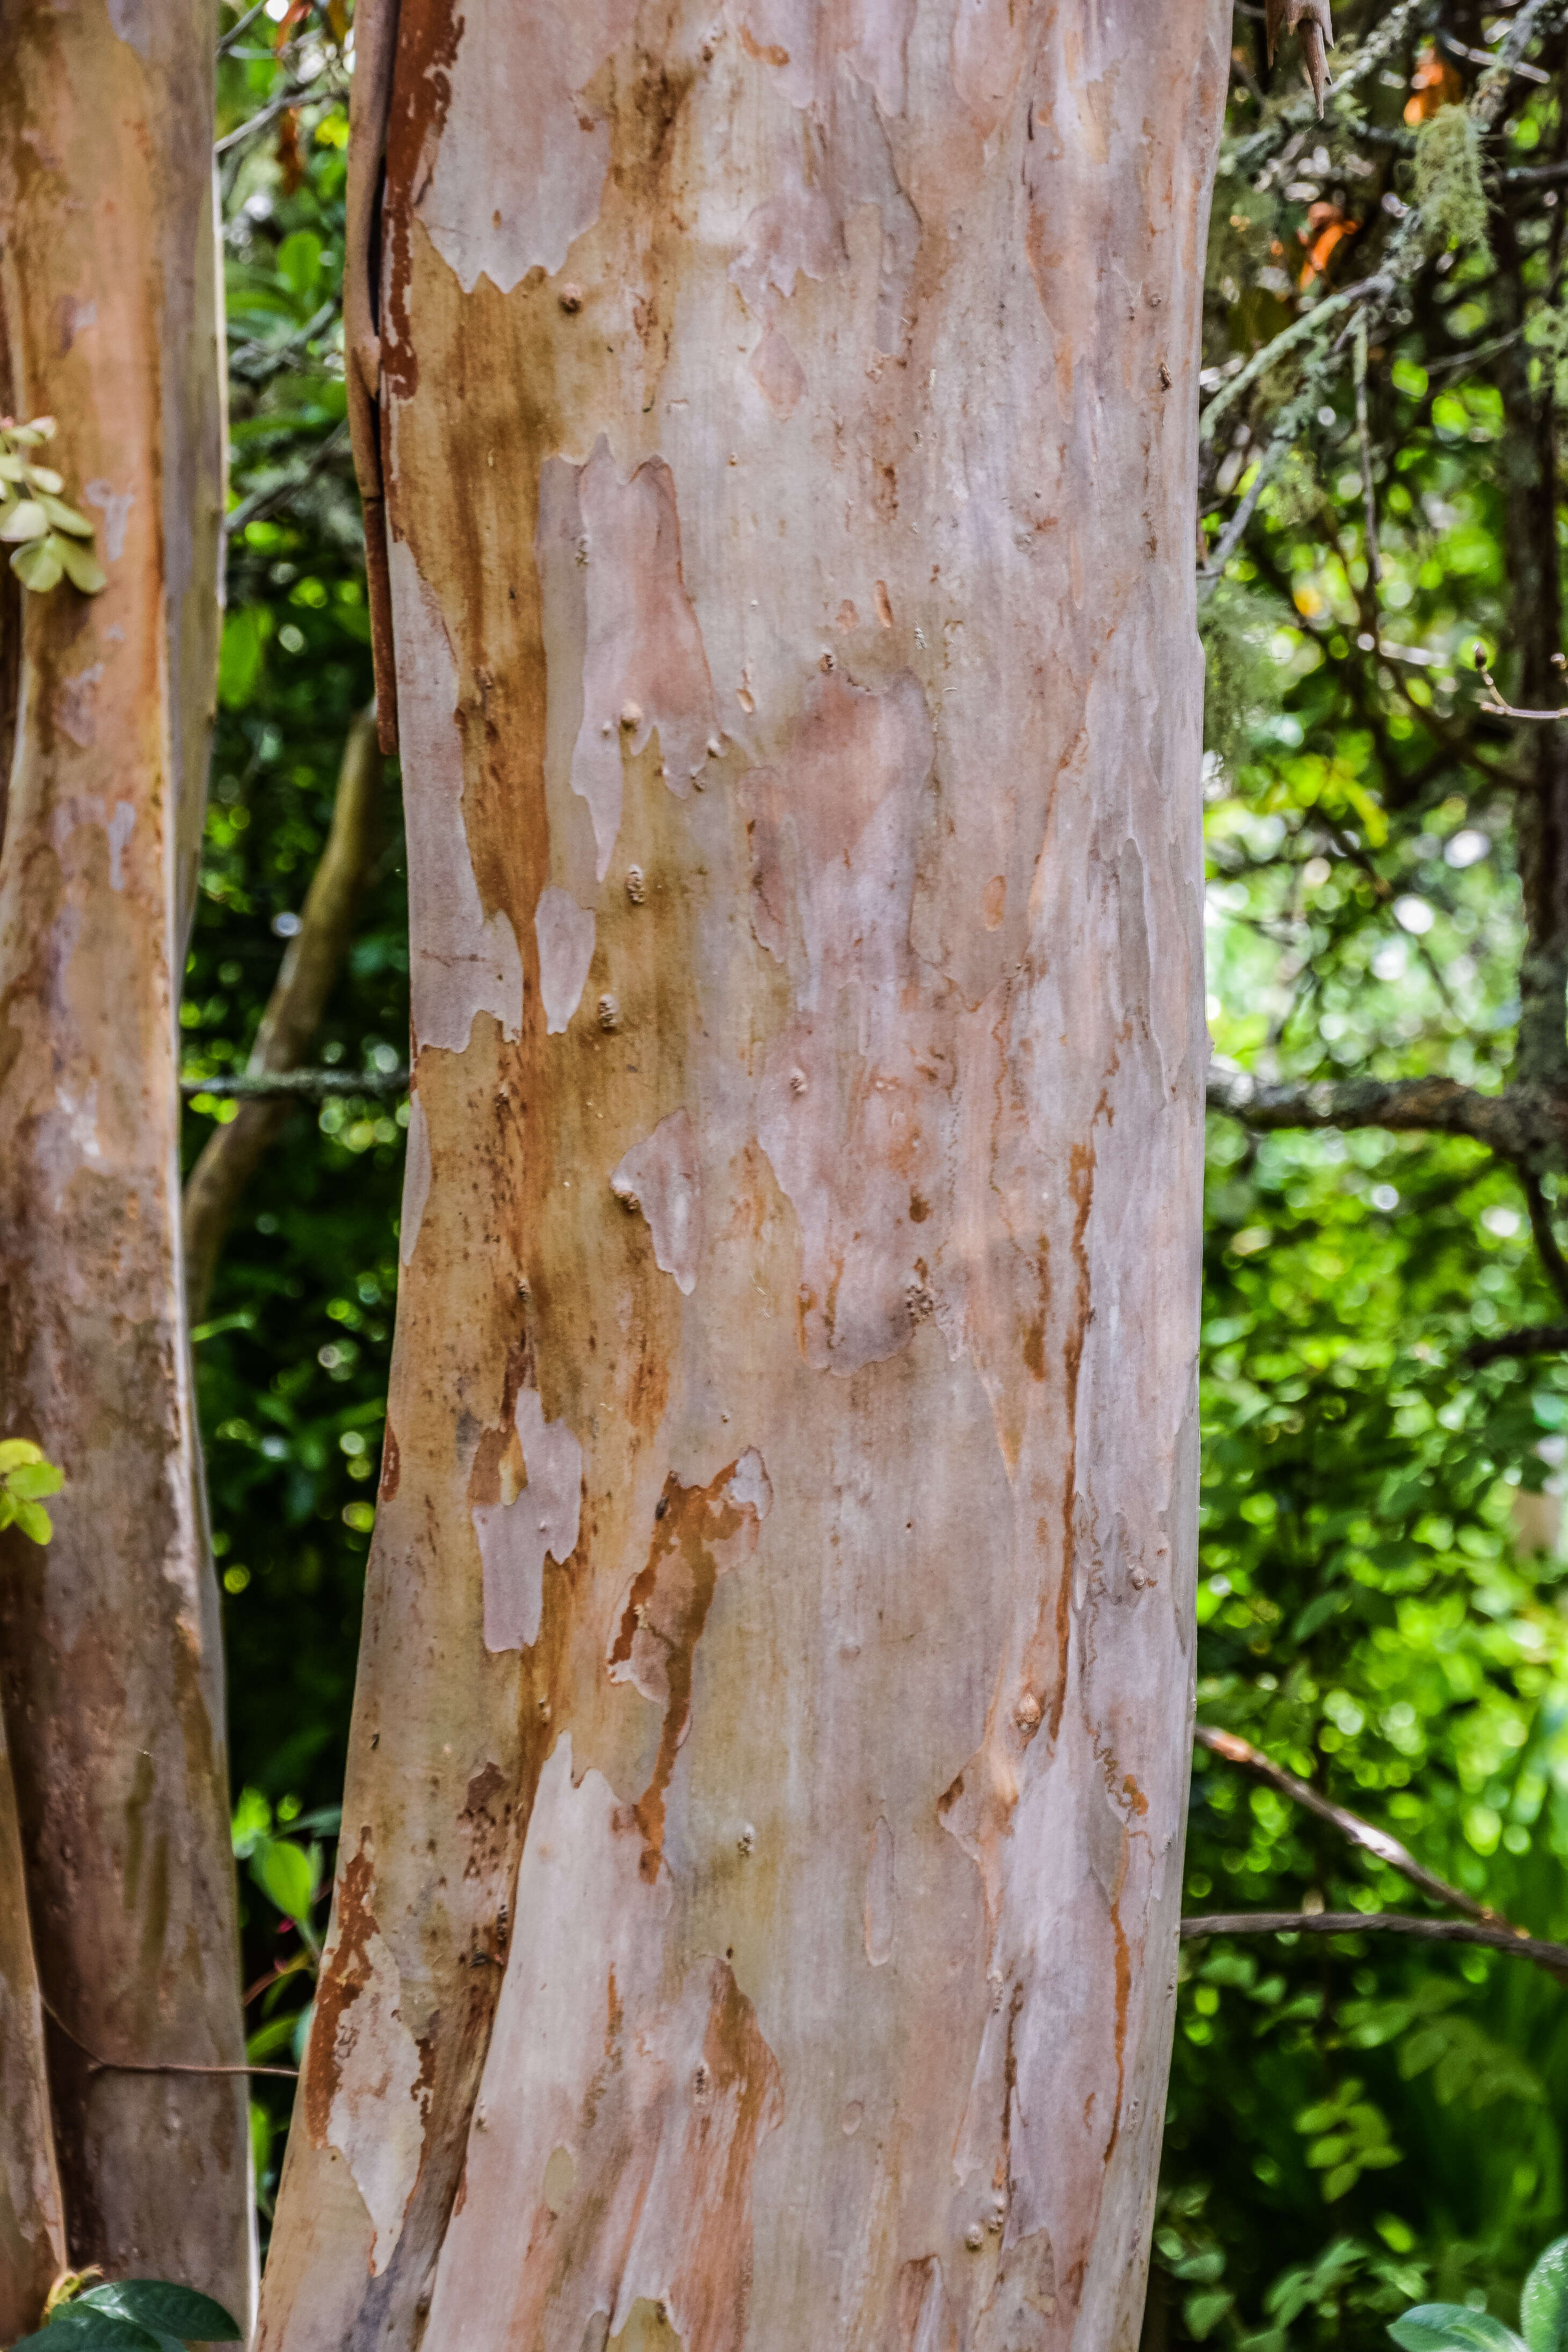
column 520, row 170
column 663, row 1177
column 643, row 665
column 540, row 1498
column 778, row 375
column 564, row 932
column 854, row 1101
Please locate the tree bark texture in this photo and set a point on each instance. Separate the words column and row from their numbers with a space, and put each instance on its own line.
column 110, row 1666
column 32, row 2221
column 757, row 1914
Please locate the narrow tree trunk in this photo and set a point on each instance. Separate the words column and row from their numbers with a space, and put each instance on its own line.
column 32, row 2225
column 757, row 1914
column 112, row 1667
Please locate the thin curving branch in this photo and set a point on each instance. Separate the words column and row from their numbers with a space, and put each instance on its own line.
column 1552, row 1958
column 297, row 1086
column 1363, row 1833
column 298, row 999
column 1548, row 1247
column 1526, row 1124
column 1538, row 1340
column 97, row 2065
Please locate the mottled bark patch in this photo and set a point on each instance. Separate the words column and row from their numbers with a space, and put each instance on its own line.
column 463, row 959
column 532, row 1516
column 492, row 205
column 416, row 1175
column 643, row 664
column 701, row 1533
column 427, row 34
column 853, row 1107
column 365, row 2090
column 609, row 2177
column 564, row 933
column 662, row 1177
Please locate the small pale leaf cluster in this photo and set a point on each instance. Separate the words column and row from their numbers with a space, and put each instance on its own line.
column 49, row 540
column 24, row 1479
column 127, row 2316
column 1448, row 187
column 1456, row 2327
column 1309, row 20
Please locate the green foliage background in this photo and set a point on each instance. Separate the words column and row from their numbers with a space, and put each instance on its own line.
column 1355, row 2124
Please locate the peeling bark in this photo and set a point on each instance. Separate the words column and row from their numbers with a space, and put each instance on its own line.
column 110, row 1654
column 774, row 1840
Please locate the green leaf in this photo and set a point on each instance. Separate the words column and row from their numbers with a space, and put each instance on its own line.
column 44, row 478
column 26, row 520
column 7, row 1507
column 284, row 1875
column 65, row 518
column 14, row 1451
column 245, row 635
column 1543, row 2306
column 82, row 567
column 1452, row 2328
column 11, row 469
column 268, row 2040
column 38, row 565
column 251, row 1819
column 1203, row 2311
column 34, row 1522
column 165, row 2309
column 31, row 1481
column 298, row 261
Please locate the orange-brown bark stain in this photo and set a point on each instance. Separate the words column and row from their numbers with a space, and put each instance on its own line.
column 668, row 1601
column 427, row 36
column 343, row 1981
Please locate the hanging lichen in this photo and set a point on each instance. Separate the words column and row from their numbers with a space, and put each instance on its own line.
column 50, row 541
column 1240, row 680
column 1449, row 186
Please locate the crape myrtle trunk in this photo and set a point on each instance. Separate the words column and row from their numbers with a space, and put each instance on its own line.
column 756, row 1919
column 109, row 1657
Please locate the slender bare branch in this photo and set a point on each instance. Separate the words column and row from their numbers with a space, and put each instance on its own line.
column 262, row 501
column 1363, row 1833
column 97, row 2065
column 297, row 1085
column 1500, row 708
column 1552, row 1958
column 1548, row 1248
column 1300, row 330
column 1524, row 1123
column 293, row 1012
column 1537, row 1339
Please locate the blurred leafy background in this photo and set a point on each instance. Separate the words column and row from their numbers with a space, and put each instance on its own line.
column 1356, row 2122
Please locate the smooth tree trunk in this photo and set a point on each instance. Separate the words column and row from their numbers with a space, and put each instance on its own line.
column 756, row 1919
column 110, row 1651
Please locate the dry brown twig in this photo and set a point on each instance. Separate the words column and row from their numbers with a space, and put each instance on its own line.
column 1552, row 1958
column 1363, row 1833
column 1500, row 708
column 1310, row 19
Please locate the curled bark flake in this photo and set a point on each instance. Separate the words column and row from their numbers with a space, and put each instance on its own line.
column 1310, row 18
